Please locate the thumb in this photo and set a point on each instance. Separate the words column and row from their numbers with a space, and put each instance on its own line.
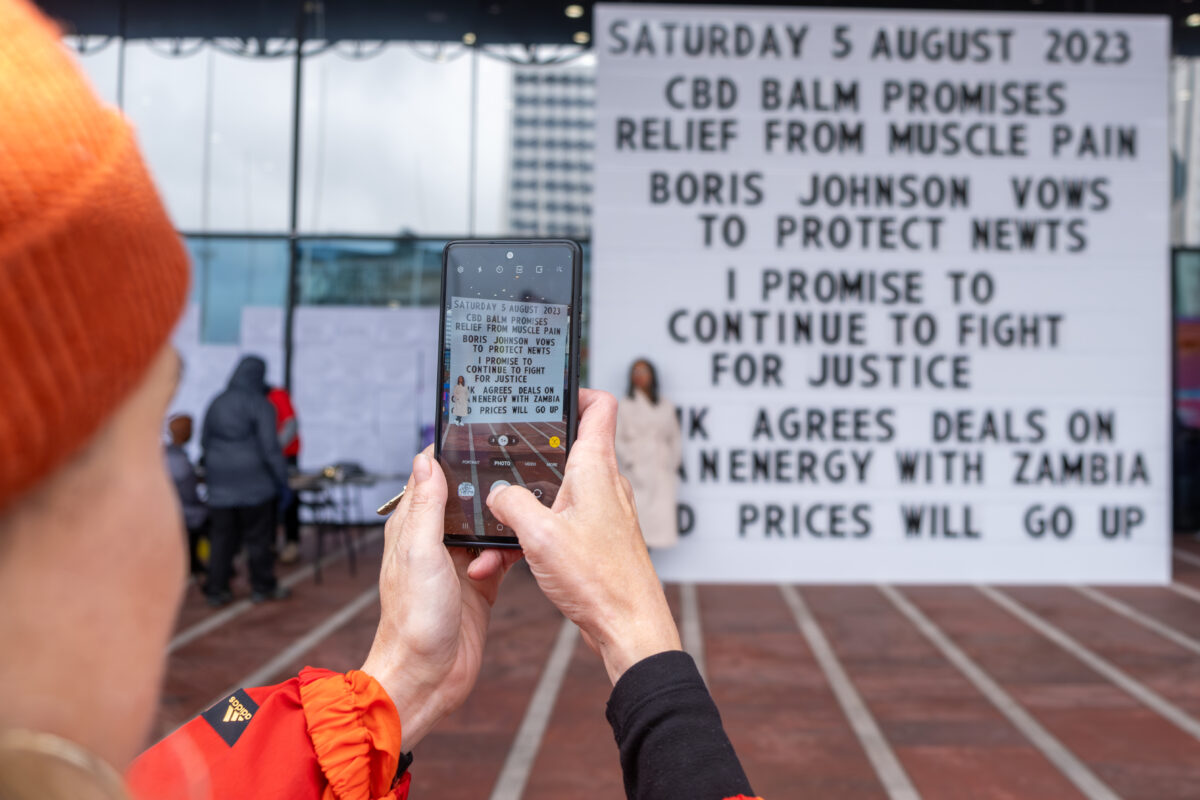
column 518, row 509
column 425, row 517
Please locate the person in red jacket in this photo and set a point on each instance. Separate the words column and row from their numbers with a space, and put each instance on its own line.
column 287, row 426
column 92, row 567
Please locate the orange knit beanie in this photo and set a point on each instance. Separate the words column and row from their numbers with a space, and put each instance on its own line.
column 92, row 274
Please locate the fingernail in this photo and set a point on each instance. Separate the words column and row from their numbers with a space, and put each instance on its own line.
column 422, row 468
column 495, row 492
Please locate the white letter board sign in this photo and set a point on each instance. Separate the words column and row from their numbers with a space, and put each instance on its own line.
column 905, row 275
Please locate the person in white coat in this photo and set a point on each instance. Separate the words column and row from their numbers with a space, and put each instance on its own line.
column 460, row 400
column 648, row 454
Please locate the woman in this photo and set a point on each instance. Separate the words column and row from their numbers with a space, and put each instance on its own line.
column 648, row 453
column 460, row 400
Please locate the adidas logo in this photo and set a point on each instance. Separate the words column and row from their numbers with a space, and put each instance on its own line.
column 237, row 712
column 230, row 717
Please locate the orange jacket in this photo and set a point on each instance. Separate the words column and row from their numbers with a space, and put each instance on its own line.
column 321, row 735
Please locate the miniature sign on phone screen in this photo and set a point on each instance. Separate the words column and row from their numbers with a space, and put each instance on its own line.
column 509, row 356
column 506, row 401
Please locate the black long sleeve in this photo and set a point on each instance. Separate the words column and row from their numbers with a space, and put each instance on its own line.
column 672, row 743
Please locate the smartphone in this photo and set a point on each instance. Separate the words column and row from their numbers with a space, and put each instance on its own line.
column 508, row 376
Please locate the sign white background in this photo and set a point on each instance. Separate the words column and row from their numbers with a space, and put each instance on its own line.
column 1107, row 286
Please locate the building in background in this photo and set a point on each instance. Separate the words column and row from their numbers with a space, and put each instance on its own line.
column 553, row 146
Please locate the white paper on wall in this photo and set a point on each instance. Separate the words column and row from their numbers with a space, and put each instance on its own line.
column 261, row 327
column 356, row 384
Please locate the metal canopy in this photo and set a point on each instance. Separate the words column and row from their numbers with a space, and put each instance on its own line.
column 492, row 21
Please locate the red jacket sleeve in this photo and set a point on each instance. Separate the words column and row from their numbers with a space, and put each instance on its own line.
column 283, row 406
column 322, row 735
column 285, row 420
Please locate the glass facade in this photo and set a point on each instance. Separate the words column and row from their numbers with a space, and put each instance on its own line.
column 230, row 273
column 370, row 272
column 215, row 127
column 403, row 145
column 386, row 141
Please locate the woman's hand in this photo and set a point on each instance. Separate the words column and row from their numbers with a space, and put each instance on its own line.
column 587, row 551
column 436, row 604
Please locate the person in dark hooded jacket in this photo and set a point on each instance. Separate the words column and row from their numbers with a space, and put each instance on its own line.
column 246, row 472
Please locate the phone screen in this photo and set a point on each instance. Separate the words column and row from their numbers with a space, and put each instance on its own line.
column 506, row 403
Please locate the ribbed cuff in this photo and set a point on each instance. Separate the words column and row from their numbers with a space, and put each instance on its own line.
column 355, row 732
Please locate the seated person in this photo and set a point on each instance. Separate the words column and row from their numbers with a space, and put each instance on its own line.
column 183, row 473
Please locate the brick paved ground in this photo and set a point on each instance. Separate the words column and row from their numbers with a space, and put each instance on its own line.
column 965, row 691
